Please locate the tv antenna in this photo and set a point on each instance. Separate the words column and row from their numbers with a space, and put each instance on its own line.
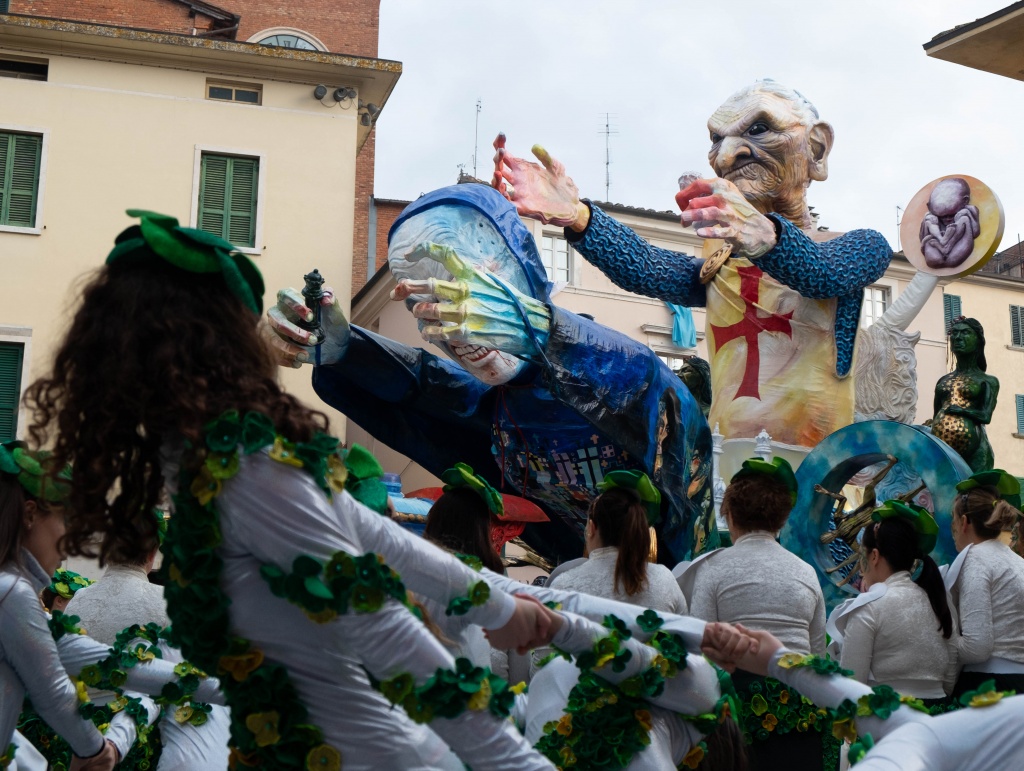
column 608, row 129
column 476, row 135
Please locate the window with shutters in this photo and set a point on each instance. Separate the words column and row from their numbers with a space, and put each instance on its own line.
column 1020, row 414
column 11, row 358
column 20, row 164
column 951, row 309
column 1017, row 326
column 228, row 198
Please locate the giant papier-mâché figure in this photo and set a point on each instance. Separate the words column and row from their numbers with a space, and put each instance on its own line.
column 540, row 401
column 783, row 310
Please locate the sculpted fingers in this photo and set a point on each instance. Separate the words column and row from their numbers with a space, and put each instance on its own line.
column 284, row 327
column 292, row 304
column 435, row 333
column 442, row 254
column 440, row 312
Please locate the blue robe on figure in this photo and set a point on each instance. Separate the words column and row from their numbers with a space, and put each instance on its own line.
column 596, row 401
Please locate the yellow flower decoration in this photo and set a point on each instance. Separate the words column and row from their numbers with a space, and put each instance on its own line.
column 183, row 714
column 758, row 704
column 784, row 697
column 118, row 704
column 63, row 589
column 283, row 451
column 240, row 665
column 479, row 700
column 694, row 757
column 263, row 726
column 337, row 473
column 175, row 573
column 568, row 756
column 322, row 617
column 844, row 730
column 205, row 487
column 790, row 660
column 769, row 722
column 237, row 758
column 323, row 757
column 643, row 717
column 564, row 726
column 80, row 691
column 518, row 688
column 143, row 653
column 986, row 699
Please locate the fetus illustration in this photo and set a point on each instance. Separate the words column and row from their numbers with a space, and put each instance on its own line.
column 949, row 228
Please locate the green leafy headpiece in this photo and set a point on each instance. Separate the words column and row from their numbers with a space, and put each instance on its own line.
column 192, row 250
column 778, row 469
column 641, row 484
column 918, row 516
column 34, row 473
column 66, row 582
column 1006, row 485
column 461, row 475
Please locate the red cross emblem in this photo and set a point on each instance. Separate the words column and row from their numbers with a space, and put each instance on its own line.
column 749, row 327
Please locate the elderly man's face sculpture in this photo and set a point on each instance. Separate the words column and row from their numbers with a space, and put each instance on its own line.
column 770, row 146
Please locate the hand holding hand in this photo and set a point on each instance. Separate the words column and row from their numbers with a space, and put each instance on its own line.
column 532, row 625
column 717, row 209
column 473, row 309
column 294, row 346
column 726, row 645
column 104, row 760
column 540, row 191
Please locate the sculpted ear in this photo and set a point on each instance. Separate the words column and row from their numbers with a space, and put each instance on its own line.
column 819, row 141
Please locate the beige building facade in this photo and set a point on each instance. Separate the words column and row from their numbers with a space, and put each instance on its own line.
column 98, row 119
column 989, row 297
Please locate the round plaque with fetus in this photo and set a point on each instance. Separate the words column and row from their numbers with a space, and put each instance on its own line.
column 952, row 226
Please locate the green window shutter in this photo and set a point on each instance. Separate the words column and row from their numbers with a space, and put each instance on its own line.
column 227, row 198
column 242, row 214
column 19, row 178
column 1017, row 325
column 1020, row 413
column 951, row 307
column 11, row 355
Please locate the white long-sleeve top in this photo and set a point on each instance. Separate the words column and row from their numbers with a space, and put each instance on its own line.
column 895, row 639
column 597, row 576
column 30, row 664
column 124, row 597
column 271, row 513
column 972, row 739
column 989, row 598
column 758, row 583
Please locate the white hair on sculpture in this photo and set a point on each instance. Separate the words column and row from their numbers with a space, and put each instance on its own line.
column 802, row 106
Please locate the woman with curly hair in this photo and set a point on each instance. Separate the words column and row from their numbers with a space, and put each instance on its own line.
column 162, row 381
column 986, row 582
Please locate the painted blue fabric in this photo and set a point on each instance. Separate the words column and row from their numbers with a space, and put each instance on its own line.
column 549, row 436
column 684, row 332
column 839, row 268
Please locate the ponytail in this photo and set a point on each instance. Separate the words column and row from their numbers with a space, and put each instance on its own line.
column 896, row 542
column 621, row 519
column 986, row 510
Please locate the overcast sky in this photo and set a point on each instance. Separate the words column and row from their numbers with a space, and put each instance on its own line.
column 547, row 71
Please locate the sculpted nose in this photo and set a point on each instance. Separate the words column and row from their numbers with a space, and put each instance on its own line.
column 731, row 150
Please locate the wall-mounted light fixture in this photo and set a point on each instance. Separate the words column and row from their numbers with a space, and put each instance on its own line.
column 343, row 93
column 320, row 92
column 368, row 112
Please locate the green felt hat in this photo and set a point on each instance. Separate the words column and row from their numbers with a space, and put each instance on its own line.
column 777, row 468
column 34, row 472
column 192, row 250
column 641, row 484
column 918, row 516
column 462, row 475
column 364, row 479
column 66, row 582
column 1006, row 485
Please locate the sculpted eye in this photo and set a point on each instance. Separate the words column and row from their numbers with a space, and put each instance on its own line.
column 715, row 138
column 758, row 128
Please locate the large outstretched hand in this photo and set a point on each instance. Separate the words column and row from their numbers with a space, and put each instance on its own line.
column 294, row 346
column 717, row 209
column 474, row 308
column 540, row 191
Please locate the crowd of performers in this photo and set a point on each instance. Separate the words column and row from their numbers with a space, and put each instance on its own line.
column 299, row 627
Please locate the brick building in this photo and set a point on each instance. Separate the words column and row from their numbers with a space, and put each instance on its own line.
column 336, row 26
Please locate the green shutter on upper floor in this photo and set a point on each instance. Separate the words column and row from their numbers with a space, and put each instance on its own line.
column 11, row 356
column 20, row 156
column 1020, row 413
column 1017, row 325
column 951, row 309
column 228, row 188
